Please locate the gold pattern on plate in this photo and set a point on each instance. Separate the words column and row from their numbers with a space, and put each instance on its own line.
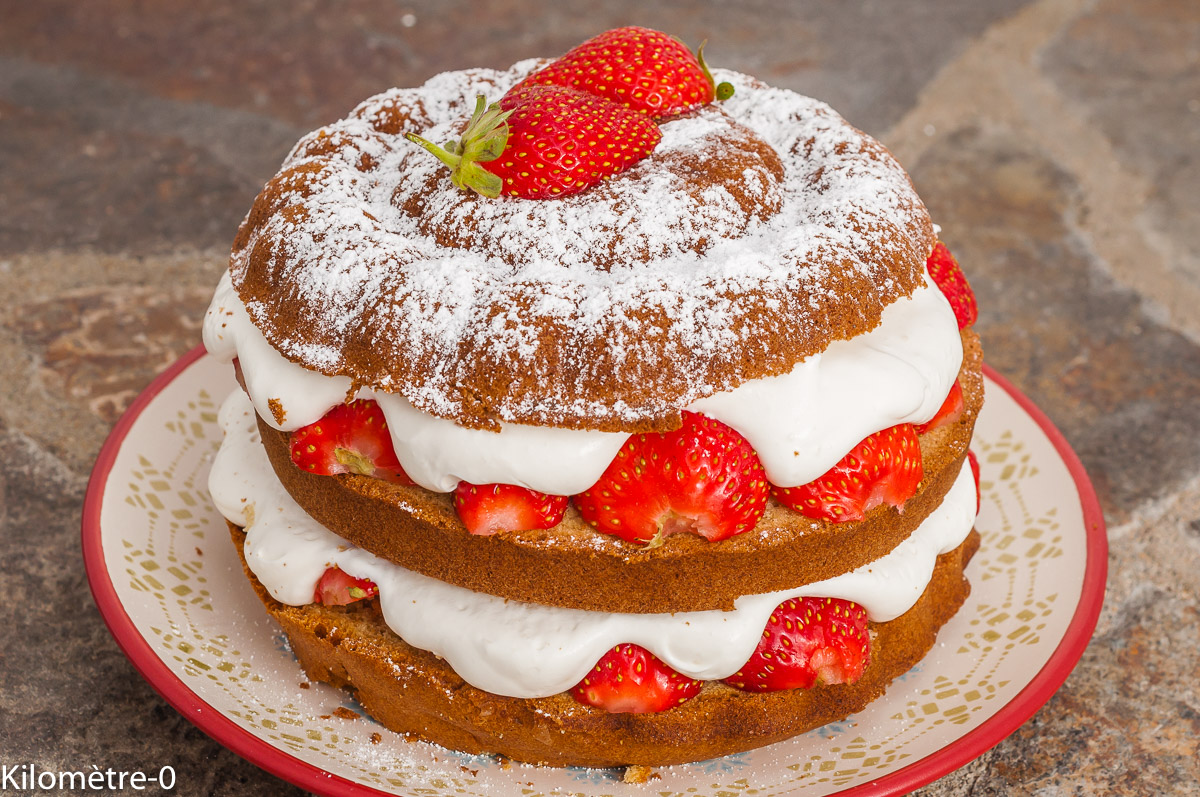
column 184, row 589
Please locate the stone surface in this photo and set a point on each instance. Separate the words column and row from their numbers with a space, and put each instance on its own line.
column 1055, row 142
column 71, row 699
column 1148, row 105
column 89, row 161
column 1103, row 369
column 101, row 346
column 869, row 60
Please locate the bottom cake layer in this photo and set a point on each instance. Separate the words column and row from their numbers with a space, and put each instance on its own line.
column 416, row 693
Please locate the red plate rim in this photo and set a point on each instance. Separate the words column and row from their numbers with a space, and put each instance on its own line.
column 1061, row 662
column 306, row 775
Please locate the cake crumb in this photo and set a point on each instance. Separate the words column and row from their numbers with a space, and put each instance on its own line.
column 277, row 410
column 504, row 763
column 640, row 774
column 305, row 685
column 376, row 738
column 345, row 713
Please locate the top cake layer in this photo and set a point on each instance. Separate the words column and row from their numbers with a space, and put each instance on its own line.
column 757, row 233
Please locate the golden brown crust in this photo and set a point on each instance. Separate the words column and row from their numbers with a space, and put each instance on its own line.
column 573, row 566
column 414, row 692
column 733, row 160
column 339, row 280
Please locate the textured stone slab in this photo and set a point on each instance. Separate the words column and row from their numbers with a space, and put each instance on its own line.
column 309, row 63
column 102, row 346
column 152, row 126
column 71, row 699
column 1120, row 385
column 81, row 335
column 1120, row 62
column 86, row 162
column 1055, row 142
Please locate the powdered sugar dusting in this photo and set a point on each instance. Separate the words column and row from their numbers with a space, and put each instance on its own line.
column 607, row 310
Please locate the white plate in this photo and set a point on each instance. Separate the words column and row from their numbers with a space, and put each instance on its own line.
column 169, row 585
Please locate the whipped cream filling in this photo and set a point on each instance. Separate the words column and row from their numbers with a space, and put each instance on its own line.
column 800, row 423
column 528, row 650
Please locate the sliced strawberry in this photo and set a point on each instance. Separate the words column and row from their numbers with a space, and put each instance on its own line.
column 336, row 587
column 487, row 508
column 948, row 276
column 807, row 641
column 631, row 680
column 974, row 460
column 883, row 468
column 642, row 69
column 950, row 411
column 351, row 438
column 703, row 478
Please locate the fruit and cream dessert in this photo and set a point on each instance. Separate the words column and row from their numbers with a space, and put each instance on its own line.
column 607, row 410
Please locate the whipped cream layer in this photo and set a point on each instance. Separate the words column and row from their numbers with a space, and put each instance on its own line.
column 528, row 650
column 800, row 423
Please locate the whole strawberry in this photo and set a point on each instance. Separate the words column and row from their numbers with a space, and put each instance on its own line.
column 547, row 142
column 883, row 468
column 807, row 641
column 703, row 478
column 642, row 69
column 948, row 276
column 631, row 680
column 350, row 438
column 487, row 508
